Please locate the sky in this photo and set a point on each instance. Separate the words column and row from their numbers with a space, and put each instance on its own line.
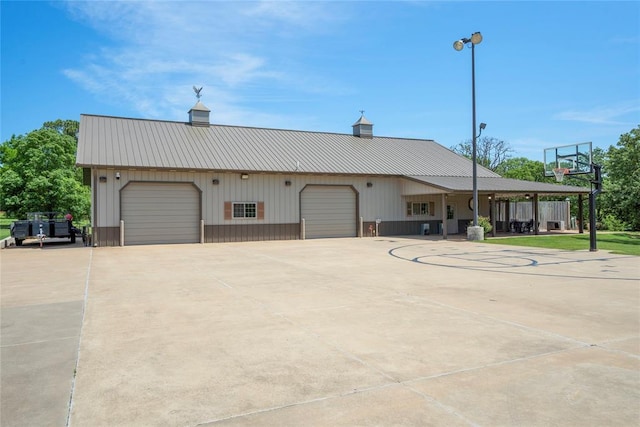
column 547, row 73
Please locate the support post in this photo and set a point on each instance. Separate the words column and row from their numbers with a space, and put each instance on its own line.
column 202, row 231
column 302, row 230
column 492, row 214
column 121, row 232
column 444, row 217
column 536, row 214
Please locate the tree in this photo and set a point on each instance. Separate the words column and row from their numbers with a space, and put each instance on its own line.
column 64, row 127
column 523, row 169
column 621, row 196
column 490, row 152
column 38, row 172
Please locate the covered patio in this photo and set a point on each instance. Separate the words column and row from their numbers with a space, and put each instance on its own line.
column 514, row 205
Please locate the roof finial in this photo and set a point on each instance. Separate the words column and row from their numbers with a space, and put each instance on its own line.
column 197, row 91
column 362, row 112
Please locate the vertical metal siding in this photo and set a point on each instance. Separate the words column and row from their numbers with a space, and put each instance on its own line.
column 281, row 202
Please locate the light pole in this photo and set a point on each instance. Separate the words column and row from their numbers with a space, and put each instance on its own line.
column 475, row 39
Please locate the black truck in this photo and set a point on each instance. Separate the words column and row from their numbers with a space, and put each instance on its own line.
column 41, row 225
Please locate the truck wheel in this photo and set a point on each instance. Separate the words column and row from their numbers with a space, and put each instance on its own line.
column 18, row 242
column 73, row 237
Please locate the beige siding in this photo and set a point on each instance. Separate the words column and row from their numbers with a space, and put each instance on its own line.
column 382, row 200
column 409, row 188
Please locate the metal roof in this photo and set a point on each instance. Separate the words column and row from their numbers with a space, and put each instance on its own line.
column 117, row 142
column 135, row 143
column 497, row 185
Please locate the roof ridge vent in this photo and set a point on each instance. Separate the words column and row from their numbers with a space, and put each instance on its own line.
column 199, row 113
column 363, row 127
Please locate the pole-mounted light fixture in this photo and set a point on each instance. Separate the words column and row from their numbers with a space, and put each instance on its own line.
column 475, row 39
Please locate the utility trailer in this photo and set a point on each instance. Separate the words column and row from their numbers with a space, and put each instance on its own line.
column 41, row 225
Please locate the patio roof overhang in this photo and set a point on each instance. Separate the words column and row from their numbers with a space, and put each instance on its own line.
column 500, row 187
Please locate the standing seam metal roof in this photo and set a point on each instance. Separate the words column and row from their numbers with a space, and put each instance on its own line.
column 136, row 143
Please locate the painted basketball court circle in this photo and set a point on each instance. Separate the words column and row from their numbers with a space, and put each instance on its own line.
column 527, row 261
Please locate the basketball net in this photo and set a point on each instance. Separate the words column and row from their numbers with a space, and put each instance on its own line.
column 560, row 173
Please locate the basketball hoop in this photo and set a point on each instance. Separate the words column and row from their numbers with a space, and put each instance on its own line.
column 560, row 173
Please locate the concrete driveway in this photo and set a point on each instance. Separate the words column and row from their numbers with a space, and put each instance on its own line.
column 373, row 331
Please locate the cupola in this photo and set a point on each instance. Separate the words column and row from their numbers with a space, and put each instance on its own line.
column 199, row 115
column 363, row 127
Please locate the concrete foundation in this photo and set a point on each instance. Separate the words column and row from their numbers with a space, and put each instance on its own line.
column 475, row 233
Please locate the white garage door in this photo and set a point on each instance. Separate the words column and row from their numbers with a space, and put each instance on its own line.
column 329, row 211
column 156, row 213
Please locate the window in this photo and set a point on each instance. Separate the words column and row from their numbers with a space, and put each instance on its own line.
column 451, row 212
column 419, row 208
column 244, row 210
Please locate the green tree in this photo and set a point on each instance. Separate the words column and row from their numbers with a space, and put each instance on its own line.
column 621, row 167
column 64, row 127
column 38, row 172
column 523, row 169
column 490, row 152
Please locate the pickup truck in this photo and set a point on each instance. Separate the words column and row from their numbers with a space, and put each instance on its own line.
column 40, row 225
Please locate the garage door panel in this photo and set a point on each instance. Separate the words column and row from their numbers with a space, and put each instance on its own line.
column 156, row 213
column 329, row 211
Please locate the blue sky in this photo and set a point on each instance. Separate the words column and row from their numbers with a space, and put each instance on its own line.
column 547, row 73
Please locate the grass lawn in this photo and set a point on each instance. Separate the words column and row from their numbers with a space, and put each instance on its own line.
column 5, row 223
column 619, row 242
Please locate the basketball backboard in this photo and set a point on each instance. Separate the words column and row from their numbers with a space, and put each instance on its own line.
column 574, row 159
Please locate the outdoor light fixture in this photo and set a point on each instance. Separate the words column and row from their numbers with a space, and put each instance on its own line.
column 369, row 184
column 117, row 175
column 475, row 39
column 244, row 176
column 215, row 181
column 287, row 183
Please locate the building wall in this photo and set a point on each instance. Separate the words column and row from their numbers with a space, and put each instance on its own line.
column 383, row 199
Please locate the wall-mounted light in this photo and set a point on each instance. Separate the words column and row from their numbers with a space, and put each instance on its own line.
column 287, row 183
column 103, row 179
column 369, row 184
column 489, row 197
column 215, row 181
column 244, row 176
column 526, row 196
column 117, row 175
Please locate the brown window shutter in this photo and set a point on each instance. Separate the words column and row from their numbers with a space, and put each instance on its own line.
column 260, row 210
column 227, row 210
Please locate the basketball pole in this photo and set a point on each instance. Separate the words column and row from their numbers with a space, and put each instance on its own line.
column 596, row 188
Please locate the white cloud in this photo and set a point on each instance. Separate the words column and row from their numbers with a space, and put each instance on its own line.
column 609, row 115
column 231, row 48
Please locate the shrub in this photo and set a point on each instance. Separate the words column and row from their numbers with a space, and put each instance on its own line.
column 485, row 223
column 612, row 223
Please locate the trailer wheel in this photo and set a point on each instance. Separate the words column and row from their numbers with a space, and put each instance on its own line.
column 18, row 242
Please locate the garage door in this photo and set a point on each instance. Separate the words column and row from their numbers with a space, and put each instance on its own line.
column 329, row 211
column 156, row 213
